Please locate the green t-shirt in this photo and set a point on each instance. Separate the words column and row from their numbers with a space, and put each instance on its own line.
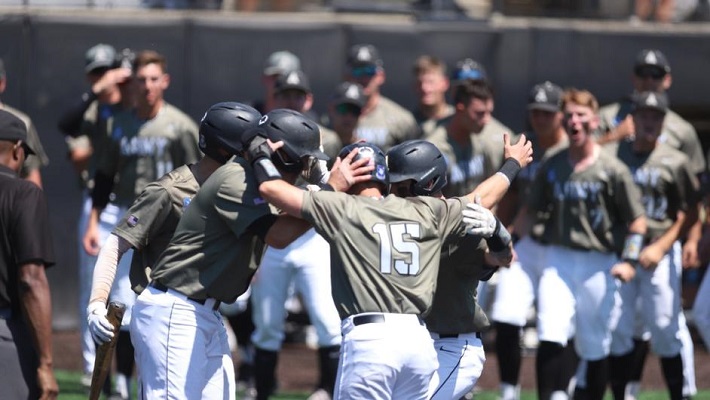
column 385, row 252
column 212, row 251
column 152, row 219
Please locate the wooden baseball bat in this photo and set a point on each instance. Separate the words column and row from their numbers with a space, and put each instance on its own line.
column 104, row 352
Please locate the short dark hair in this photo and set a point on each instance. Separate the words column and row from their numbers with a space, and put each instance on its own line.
column 468, row 90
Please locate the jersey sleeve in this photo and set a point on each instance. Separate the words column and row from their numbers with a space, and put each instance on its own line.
column 450, row 215
column 32, row 239
column 189, row 143
column 324, row 210
column 145, row 217
column 688, row 186
column 239, row 205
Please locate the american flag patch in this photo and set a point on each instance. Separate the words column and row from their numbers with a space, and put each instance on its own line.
column 132, row 221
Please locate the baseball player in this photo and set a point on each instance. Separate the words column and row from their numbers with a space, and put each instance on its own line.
column 385, row 255
column 431, row 84
column 344, row 110
column 151, row 220
column 383, row 122
column 455, row 321
column 518, row 286
column 181, row 343
column 145, row 142
column 669, row 188
column 592, row 204
column 701, row 306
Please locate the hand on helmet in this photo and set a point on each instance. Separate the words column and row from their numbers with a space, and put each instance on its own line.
column 99, row 326
column 479, row 220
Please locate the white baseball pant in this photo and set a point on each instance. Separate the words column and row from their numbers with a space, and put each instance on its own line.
column 461, row 360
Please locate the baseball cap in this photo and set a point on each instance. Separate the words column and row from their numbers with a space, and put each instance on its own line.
column 349, row 93
column 468, row 69
column 651, row 100
column 651, row 58
column 294, row 80
column 100, row 56
column 281, row 62
column 364, row 55
column 545, row 96
column 13, row 129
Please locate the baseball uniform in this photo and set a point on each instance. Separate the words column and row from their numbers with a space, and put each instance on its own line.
column 385, row 257
column 180, row 340
column 387, row 125
column 428, row 125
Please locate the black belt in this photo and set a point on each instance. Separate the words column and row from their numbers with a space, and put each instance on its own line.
column 368, row 319
column 201, row 302
column 455, row 335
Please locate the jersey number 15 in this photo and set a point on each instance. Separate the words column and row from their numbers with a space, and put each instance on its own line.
column 398, row 237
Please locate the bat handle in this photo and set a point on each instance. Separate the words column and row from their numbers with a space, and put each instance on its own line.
column 104, row 352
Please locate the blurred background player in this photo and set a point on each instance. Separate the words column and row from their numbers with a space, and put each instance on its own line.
column 455, row 322
column 669, row 189
column 344, row 110
column 431, row 83
column 86, row 132
column 277, row 64
column 592, row 205
column 383, row 122
column 31, row 167
column 518, row 286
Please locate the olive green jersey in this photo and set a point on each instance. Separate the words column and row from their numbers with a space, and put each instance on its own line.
column 385, row 252
column 33, row 161
column 455, row 309
column 492, row 136
column 151, row 221
column 331, row 143
column 212, row 251
column 677, row 132
column 468, row 164
column 666, row 182
column 387, row 124
column 139, row 152
column 427, row 125
column 588, row 209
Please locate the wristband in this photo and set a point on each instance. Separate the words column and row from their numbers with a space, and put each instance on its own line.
column 265, row 170
column 510, row 169
column 500, row 240
column 632, row 248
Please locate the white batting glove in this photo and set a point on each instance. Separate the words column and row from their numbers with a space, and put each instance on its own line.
column 99, row 326
column 479, row 220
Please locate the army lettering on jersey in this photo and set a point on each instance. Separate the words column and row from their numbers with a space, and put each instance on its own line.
column 454, row 309
column 385, row 252
column 139, row 152
column 152, row 219
column 666, row 182
column 588, row 209
column 212, row 252
column 387, row 124
column 468, row 165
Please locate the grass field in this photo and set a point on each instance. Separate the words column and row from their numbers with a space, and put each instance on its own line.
column 71, row 389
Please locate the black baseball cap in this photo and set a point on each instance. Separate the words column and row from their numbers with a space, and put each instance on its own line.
column 545, row 96
column 652, row 58
column 100, row 56
column 363, row 55
column 294, row 80
column 468, row 69
column 13, row 129
column 349, row 93
column 651, row 100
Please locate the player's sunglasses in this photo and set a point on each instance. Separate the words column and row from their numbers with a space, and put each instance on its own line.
column 365, row 71
column 351, row 109
column 472, row 74
column 650, row 72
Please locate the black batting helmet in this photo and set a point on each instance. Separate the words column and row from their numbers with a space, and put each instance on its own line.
column 222, row 127
column 420, row 161
column 300, row 135
column 377, row 157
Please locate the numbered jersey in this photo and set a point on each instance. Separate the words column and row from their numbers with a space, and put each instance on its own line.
column 666, row 182
column 138, row 152
column 588, row 209
column 385, row 253
column 152, row 219
column 212, row 253
column 387, row 124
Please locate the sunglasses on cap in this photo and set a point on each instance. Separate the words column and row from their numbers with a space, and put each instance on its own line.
column 469, row 74
column 364, row 71
column 650, row 72
column 346, row 108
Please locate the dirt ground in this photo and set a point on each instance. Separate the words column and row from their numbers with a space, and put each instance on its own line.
column 298, row 366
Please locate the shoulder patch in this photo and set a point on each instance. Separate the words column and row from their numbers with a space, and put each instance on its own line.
column 132, row 221
column 186, row 202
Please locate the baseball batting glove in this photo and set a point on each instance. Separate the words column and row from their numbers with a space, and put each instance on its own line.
column 479, row 220
column 99, row 326
column 259, row 153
